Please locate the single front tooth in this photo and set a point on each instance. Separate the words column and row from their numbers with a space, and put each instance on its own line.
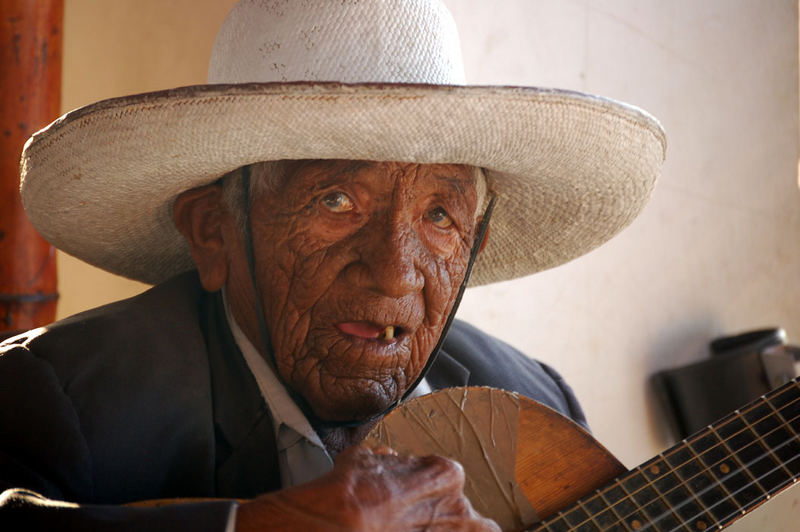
column 388, row 333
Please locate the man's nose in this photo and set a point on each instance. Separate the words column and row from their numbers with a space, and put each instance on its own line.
column 391, row 255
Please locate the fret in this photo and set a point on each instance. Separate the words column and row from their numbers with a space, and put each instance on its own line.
column 748, row 491
column 556, row 525
column 598, row 508
column 659, row 514
column 575, row 517
column 786, row 403
column 661, row 481
column 729, row 472
column 625, row 507
column 789, row 391
column 587, row 526
column 717, row 497
column 737, row 476
column 785, row 441
column 604, row 519
column 633, row 514
column 580, row 519
column 693, row 480
column 763, row 421
column 612, row 496
column 764, row 464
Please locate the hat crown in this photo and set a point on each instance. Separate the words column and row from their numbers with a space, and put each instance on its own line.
column 384, row 41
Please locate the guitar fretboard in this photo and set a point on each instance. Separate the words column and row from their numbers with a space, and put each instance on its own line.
column 705, row 482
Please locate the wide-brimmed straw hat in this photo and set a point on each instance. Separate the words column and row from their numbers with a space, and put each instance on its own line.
column 375, row 80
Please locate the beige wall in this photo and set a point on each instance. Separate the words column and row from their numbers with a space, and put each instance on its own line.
column 117, row 47
column 715, row 252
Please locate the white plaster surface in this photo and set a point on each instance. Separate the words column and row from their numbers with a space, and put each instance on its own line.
column 717, row 250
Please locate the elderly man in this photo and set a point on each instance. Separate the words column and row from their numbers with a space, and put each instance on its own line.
column 310, row 220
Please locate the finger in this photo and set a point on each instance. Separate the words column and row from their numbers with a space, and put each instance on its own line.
column 457, row 513
column 420, row 480
column 446, row 475
column 368, row 461
column 479, row 524
column 353, row 453
column 424, row 482
column 384, row 450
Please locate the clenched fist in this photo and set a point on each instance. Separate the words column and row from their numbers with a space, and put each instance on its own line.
column 371, row 490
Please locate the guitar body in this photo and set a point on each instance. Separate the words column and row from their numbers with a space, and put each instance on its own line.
column 557, row 461
column 503, row 439
column 528, row 467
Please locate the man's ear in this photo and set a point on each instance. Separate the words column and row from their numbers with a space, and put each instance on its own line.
column 199, row 215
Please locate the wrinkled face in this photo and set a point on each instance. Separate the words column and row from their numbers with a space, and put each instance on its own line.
column 359, row 264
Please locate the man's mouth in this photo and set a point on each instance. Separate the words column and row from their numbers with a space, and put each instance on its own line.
column 369, row 330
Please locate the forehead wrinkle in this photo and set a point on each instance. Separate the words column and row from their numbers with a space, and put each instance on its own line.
column 350, row 168
column 333, row 173
column 356, row 165
column 457, row 184
column 403, row 189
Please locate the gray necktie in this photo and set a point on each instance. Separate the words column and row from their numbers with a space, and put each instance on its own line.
column 300, row 460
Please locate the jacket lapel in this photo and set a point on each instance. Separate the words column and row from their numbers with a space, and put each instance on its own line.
column 246, row 456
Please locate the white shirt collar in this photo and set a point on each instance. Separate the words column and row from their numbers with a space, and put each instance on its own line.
column 282, row 408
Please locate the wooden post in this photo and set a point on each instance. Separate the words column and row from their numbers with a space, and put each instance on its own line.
column 30, row 98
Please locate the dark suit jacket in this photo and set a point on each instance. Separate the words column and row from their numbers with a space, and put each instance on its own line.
column 150, row 398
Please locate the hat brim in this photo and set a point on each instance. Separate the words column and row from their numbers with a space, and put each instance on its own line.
column 570, row 170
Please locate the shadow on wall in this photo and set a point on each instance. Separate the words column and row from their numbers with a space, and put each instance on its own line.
column 692, row 336
column 736, row 370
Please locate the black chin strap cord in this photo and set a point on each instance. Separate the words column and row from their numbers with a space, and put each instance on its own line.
column 322, row 427
column 480, row 235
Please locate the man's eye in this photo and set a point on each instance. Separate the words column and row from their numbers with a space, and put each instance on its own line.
column 337, row 202
column 440, row 218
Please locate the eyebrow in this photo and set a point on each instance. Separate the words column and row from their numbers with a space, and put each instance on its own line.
column 335, row 177
column 355, row 166
column 455, row 183
column 348, row 169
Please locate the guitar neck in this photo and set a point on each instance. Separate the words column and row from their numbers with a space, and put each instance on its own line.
column 705, row 482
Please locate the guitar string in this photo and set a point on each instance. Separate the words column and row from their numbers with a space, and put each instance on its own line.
column 652, row 521
column 717, row 483
column 766, row 496
column 695, row 438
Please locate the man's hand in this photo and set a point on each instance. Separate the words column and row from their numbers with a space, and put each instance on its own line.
column 371, row 490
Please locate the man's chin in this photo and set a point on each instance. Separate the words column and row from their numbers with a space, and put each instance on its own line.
column 348, row 406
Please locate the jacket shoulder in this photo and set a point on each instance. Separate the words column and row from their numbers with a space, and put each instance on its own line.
column 112, row 368
column 121, row 322
column 489, row 361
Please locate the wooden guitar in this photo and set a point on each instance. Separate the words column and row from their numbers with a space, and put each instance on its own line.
column 511, row 444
